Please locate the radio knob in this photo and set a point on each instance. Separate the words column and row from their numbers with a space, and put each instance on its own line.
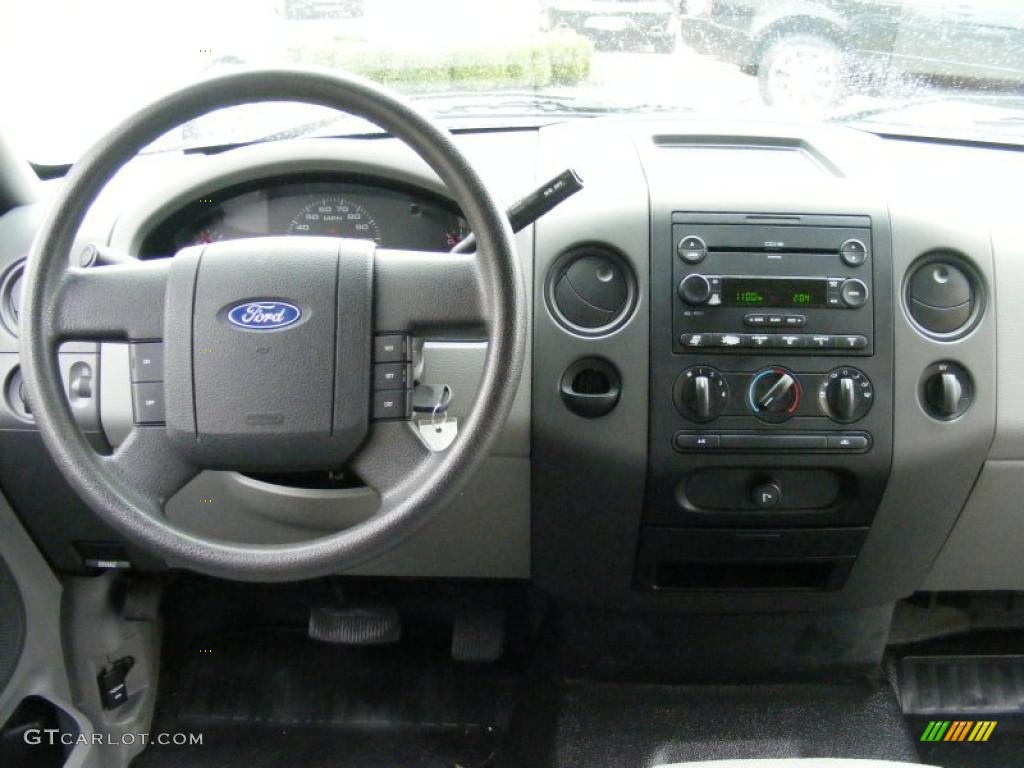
column 854, row 293
column 845, row 395
column 773, row 394
column 695, row 289
column 701, row 393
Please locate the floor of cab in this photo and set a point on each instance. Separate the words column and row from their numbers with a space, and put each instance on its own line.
column 238, row 668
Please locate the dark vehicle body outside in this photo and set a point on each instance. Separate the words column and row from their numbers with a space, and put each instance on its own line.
column 827, row 42
column 626, row 24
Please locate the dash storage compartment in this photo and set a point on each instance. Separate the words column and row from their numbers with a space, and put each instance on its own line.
column 744, row 560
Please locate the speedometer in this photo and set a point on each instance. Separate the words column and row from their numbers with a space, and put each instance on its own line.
column 335, row 216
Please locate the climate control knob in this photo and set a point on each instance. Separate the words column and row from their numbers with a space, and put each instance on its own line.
column 695, row 289
column 845, row 395
column 701, row 393
column 773, row 394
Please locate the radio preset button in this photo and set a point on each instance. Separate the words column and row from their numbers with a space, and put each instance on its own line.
column 849, row 342
column 790, row 341
column 728, row 340
column 696, row 339
column 853, row 253
column 819, row 341
column 757, row 340
column 692, row 249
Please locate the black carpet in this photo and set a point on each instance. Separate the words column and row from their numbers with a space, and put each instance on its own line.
column 276, row 699
column 626, row 726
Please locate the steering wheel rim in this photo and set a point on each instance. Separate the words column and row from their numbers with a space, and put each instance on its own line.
column 416, row 486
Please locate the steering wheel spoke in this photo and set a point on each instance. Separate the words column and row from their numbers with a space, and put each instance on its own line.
column 429, row 292
column 149, row 462
column 391, row 458
column 117, row 301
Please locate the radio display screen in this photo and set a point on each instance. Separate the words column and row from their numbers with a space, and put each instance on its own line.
column 773, row 292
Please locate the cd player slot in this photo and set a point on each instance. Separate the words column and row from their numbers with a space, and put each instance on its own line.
column 780, row 251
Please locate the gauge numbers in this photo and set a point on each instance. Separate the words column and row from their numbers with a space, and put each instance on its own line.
column 335, row 216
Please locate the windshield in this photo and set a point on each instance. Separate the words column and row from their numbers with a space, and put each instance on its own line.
column 950, row 68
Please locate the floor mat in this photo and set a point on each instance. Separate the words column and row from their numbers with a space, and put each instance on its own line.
column 625, row 726
column 275, row 698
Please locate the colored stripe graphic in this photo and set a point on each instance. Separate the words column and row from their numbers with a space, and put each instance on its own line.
column 982, row 730
column 935, row 730
column 958, row 730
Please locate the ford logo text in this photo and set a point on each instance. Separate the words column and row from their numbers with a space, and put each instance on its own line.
column 264, row 315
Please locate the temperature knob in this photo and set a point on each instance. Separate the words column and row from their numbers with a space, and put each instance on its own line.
column 845, row 395
column 701, row 393
column 773, row 394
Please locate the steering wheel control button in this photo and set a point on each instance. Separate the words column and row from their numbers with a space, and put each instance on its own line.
column 392, row 405
column 391, row 348
column 391, row 375
column 692, row 249
column 854, row 293
column 853, row 253
column 147, row 361
column 148, row 402
column 767, row 495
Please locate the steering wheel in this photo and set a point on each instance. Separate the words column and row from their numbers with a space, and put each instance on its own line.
column 286, row 390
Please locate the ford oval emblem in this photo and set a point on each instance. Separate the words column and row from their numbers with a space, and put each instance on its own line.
column 254, row 315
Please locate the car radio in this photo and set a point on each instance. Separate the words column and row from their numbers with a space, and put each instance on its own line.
column 742, row 286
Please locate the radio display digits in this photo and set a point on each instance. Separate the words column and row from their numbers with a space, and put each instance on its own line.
column 773, row 292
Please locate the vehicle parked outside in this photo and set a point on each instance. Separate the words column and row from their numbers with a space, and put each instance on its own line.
column 622, row 24
column 809, row 52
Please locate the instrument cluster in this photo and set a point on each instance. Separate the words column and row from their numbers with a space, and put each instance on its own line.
column 392, row 216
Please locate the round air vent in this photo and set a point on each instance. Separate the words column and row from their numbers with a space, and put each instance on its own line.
column 591, row 290
column 943, row 295
column 10, row 296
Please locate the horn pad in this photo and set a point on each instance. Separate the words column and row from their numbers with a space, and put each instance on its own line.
column 268, row 352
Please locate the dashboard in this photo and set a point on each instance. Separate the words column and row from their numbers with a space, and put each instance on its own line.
column 324, row 205
column 790, row 330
